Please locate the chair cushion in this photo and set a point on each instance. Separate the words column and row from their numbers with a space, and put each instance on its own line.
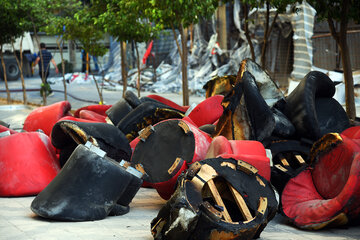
column 208, row 111
column 44, row 118
column 328, row 193
column 28, row 163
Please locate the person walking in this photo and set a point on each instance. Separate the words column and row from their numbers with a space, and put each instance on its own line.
column 44, row 68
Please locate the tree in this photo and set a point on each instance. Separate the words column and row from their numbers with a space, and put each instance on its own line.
column 280, row 6
column 10, row 30
column 23, row 27
column 180, row 14
column 83, row 28
column 56, row 25
column 341, row 11
column 127, row 20
column 38, row 13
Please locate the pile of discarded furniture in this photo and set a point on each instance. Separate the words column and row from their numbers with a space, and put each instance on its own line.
column 219, row 164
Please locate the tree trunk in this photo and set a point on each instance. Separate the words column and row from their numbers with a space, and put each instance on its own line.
column 222, row 26
column 266, row 35
column 98, row 90
column 246, row 29
column 87, row 64
column 184, row 66
column 20, row 64
column 138, row 66
column 349, row 81
column 72, row 52
column 341, row 40
column 42, row 64
column 176, row 41
column 191, row 37
column 62, row 66
column 123, row 65
column 5, row 78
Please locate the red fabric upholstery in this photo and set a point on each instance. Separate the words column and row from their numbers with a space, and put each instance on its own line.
column 100, row 109
column 202, row 143
column 207, row 111
column 352, row 132
column 330, row 192
column 71, row 118
column 90, row 115
column 4, row 129
column 219, row 145
column 252, row 152
column 168, row 102
column 28, row 163
column 247, row 147
column 44, row 118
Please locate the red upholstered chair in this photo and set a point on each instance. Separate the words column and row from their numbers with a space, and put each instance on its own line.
column 328, row 193
column 4, row 129
column 168, row 102
column 90, row 115
column 44, row 118
column 98, row 108
column 352, row 132
column 252, row 152
column 71, row 118
column 28, row 164
column 207, row 111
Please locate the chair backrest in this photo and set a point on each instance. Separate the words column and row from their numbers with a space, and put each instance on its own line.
column 334, row 157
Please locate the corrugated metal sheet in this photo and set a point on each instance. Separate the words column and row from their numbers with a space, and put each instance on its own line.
column 326, row 53
column 303, row 25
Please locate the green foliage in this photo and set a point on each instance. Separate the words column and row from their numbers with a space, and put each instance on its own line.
column 64, row 11
column 280, row 5
column 75, row 21
column 37, row 13
column 327, row 8
column 126, row 20
column 83, row 29
column 12, row 24
column 180, row 12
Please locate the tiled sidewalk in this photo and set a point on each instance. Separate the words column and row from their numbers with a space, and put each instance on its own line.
column 18, row 222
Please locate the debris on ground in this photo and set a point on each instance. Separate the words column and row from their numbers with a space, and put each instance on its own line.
column 225, row 166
